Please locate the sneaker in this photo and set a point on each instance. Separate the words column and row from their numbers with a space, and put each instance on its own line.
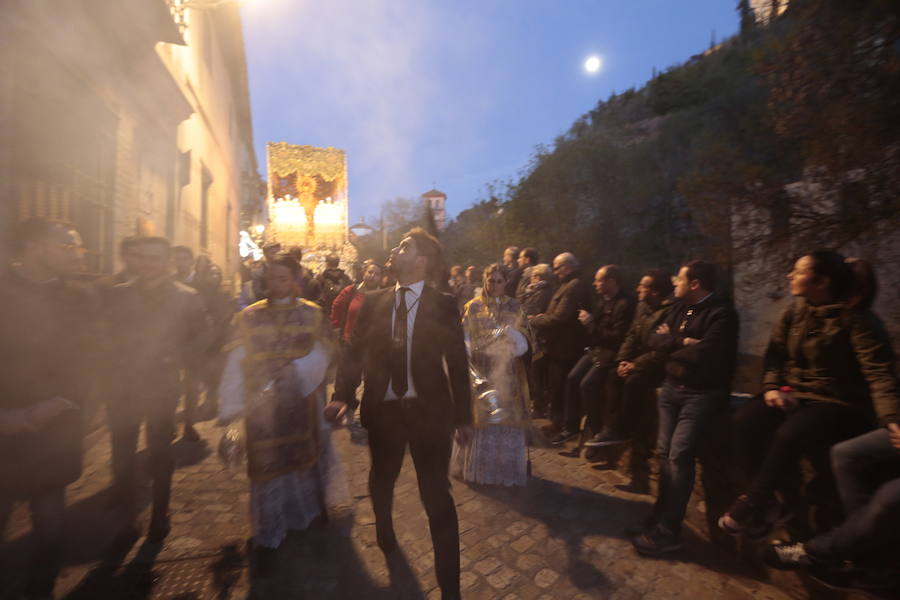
column 656, row 542
column 787, row 556
column 607, row 437
column 562, row 437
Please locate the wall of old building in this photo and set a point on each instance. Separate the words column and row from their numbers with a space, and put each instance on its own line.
column 125, row 124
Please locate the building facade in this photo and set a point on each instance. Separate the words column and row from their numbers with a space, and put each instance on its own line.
column 134, row 118
column 436, row 201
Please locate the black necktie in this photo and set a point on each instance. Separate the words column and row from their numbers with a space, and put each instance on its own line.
column 398, row 355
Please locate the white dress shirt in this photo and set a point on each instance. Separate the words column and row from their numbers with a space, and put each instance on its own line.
column 413, row 294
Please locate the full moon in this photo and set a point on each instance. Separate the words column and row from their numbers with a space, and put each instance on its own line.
column 592, row 64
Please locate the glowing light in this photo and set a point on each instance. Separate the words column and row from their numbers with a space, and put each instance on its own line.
column 328, row 215
column 289, row 213
column 259, row 229
column 593, row 64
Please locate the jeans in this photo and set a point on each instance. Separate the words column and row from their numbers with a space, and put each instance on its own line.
column 584, row 391
column 853, row 461
column 47, row 522
column 773, row 441
column 873, row 521
column 683, row 416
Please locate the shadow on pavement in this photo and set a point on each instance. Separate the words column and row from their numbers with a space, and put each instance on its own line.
column 109, row 580
column 322, row 562
column 597, row 514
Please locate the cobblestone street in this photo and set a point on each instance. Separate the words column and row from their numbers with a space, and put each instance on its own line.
column 561, row 537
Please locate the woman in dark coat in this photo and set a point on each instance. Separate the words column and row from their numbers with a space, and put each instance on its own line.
column 829, row 363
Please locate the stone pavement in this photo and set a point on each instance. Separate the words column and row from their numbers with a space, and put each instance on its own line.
column 560, row 537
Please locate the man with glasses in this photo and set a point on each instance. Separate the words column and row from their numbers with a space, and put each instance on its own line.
column 46, row 327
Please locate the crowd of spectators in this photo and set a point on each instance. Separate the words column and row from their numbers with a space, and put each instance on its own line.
column 652, row 373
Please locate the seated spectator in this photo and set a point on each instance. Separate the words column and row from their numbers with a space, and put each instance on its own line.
column 535, row 300
column 606, row 327
column 870, row 536
column 699, row 340
column 639, row 371
column 828, row 361
column 559, row 325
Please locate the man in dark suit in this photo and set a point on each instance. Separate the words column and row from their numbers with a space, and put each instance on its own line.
column 403, row 337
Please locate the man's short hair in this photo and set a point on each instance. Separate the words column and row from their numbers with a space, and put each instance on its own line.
column 615, row 273
column 127, row 243
column 662, row 282
column 531, row 254
column 181, row 250
column 428, row 246
column 515, row 250
column 704, row 272
column 272, row 247
column 332, row 261
column 157, row 240
column 35, row 229
column 296, row 252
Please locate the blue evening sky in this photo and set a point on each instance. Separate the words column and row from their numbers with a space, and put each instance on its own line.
column 453, row 94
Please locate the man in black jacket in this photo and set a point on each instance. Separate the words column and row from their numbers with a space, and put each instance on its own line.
column 631, row 390
column 404, row 336
column 46, row 331
column 158, row 327
column 606, row 327
column 699, row 340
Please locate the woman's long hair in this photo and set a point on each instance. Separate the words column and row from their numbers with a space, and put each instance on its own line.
column 850, row 280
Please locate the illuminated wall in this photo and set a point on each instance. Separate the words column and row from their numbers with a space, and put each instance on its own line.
column 307, row 197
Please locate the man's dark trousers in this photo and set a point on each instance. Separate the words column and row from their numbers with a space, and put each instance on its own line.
column 47, row 517
column 408, row 422
column 683, row 416
column 584, row 394
column 638, row 416
column 125, row 424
